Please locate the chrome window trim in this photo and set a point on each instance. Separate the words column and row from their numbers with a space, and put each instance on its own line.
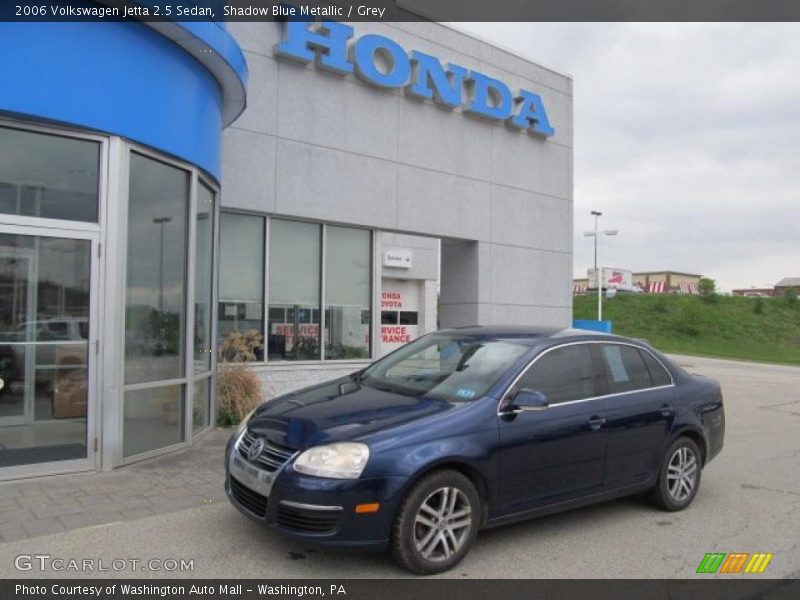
column 522, row 373
column 303, row 506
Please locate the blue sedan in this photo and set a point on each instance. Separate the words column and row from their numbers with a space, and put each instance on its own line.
column 471, row 428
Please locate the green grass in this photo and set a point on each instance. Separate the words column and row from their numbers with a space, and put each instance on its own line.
column 721, row 326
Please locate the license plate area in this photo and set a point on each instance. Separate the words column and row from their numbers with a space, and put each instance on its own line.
column 256, row 479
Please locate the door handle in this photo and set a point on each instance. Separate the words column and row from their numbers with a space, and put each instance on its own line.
column 666, row 410
column 596, row 422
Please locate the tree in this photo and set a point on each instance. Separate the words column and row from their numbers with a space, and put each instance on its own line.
column 707, row 286
column 790, row 294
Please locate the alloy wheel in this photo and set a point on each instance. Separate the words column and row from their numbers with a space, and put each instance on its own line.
column 682, row 473
column 442, row 524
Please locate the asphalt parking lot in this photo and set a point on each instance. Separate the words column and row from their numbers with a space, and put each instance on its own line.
column 749, row 501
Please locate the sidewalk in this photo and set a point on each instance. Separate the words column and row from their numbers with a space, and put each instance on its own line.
column 185, row 479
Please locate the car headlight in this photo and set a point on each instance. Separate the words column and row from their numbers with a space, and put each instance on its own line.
column 343, row 460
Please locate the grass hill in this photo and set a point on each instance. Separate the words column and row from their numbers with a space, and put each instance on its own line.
column 760, row 329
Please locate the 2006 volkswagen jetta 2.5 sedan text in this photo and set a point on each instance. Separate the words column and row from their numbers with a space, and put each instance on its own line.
column 471, row 428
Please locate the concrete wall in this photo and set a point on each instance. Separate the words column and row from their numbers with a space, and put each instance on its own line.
column 316, row 145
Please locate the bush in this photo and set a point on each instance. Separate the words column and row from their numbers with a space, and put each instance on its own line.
column 758, row 307
column 708, row 290
column 238, row 388
column 790, row 296
column 238, row 392
column 241, row 347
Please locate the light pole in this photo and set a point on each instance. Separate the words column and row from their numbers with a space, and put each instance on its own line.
column 598, row 274
column 161, row 221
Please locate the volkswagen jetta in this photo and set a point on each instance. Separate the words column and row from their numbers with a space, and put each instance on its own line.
column 471, row 428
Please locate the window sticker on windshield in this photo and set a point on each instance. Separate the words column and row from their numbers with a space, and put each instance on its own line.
column 465, row 393
column 613, row 356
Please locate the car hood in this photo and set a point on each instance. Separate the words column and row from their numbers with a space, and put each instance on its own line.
column 338, row 411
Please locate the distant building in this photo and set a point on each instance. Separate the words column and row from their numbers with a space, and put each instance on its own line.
column 787, row 283
column 754, row 292
column 778, row 290
column 654, row 282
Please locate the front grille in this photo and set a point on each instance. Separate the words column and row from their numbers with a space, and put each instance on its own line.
column 308, row 521
column 271, row 458
column 251, row 500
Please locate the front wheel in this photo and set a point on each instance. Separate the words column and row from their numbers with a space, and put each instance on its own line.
column 679, row 478
column 436, row 523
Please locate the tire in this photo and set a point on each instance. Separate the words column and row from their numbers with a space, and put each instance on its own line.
column 426, row 541
column 679, row 476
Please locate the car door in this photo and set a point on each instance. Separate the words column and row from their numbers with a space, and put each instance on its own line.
column 640, row 409
column 554, row 454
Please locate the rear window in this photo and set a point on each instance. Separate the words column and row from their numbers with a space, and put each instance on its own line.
column 625, row 369
column 658, row 374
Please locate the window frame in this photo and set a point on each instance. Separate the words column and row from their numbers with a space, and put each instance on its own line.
column 374, row 304
column 187, row 382
column 507, row 395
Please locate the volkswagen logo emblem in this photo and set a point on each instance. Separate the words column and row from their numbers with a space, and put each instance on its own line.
column 255, row 449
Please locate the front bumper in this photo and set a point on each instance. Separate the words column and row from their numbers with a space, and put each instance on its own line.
column 314, row 509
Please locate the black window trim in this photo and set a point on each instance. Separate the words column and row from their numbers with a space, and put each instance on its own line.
column 506, row 395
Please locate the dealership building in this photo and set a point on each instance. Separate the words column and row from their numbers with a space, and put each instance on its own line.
column 171, row 193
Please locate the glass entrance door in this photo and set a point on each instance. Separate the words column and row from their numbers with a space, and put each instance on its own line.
column 47, row 288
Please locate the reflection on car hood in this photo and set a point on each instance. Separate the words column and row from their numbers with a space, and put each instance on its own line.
column 336, row 411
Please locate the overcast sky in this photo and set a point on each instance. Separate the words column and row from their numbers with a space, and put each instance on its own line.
column 687, row 137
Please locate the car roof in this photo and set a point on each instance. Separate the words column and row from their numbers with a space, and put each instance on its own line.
column 533, row 336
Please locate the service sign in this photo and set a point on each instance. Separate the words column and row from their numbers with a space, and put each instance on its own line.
column 399, row 259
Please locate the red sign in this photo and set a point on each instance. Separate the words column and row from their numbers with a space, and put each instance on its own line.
column 395, row 334
column 391, row 300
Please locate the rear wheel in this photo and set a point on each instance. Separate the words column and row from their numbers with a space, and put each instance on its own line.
column 679, row 478
column 436, row 523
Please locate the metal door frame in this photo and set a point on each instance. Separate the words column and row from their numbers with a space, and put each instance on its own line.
column 93, row 420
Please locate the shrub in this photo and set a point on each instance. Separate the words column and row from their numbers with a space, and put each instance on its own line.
column 238, row 387
column 758, row 307
column 238, row 392
column 241, row 347
column 660, row 306
column 790, row 296
column 708, row 289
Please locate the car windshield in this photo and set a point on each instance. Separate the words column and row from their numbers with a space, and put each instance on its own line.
column 445, row 366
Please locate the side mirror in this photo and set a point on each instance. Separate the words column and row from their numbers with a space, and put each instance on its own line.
column 527, row 399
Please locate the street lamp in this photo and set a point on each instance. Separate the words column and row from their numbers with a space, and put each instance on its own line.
column 161, row 221
column 598, row 274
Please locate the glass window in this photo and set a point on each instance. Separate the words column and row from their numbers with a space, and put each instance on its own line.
column 48, row 176
column 156, row 285
column 625, row 369
column 294, row 288
column 201, row 404
column 444, row 366
column 562, row 375
column 153, row 419
column 389, row 317
column 658, row 374
column 408, row 317
column 348, row 278
column 204, row 246
column 241, row 286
